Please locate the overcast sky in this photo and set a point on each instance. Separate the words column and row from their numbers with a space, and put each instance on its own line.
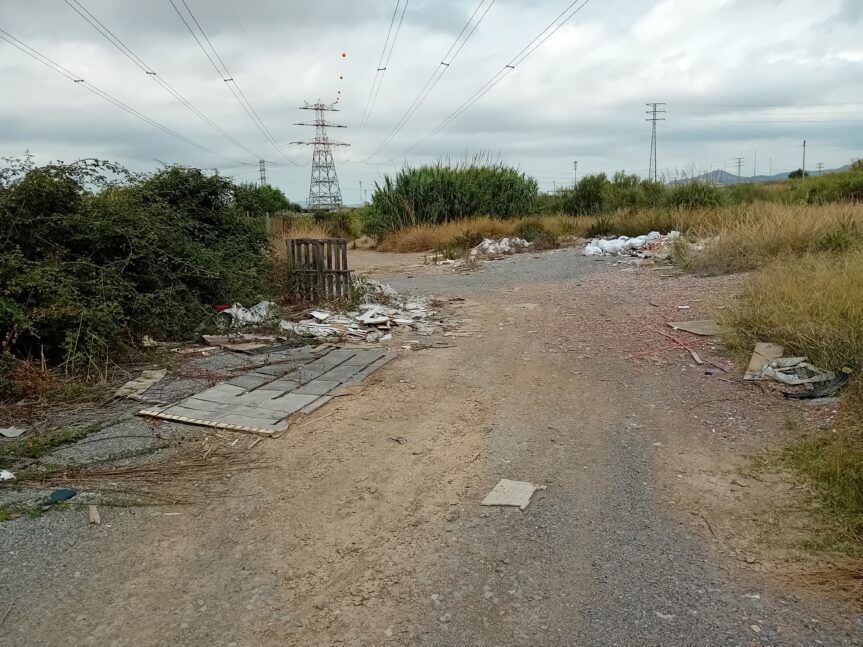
column 741, row 78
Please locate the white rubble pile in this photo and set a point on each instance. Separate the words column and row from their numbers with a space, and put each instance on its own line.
column 242, row 316
column 383, row 312
column 499, row 248
column 651, row 244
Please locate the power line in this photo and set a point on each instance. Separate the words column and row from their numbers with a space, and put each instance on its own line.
column 519, row 58
column 225, row 74
column 128, row 53
column 437, row 74
column 101, row 93
column 378, row 80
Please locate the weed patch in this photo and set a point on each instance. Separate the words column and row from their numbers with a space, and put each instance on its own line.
column 38, row 445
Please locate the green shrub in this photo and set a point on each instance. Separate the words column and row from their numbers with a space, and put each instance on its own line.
column 440, row 193
column 694, row 195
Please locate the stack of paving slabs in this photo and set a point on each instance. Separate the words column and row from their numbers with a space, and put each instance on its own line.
column 262, row 400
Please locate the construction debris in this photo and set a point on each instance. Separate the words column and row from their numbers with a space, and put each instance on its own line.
column 653, row 244
column 93, row 513
column 11, row 432
column 494, row 249
column 762, row 355
column 794, row 371
column 135, row 389
column 383, row 312
column 511, row 493
column 242, row 316
column 6, row 475
column 704, row 327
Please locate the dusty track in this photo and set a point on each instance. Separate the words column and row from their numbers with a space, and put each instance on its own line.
column 356, row 539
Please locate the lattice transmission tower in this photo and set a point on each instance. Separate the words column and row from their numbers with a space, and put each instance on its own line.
column 324, row 190
column 654, row 112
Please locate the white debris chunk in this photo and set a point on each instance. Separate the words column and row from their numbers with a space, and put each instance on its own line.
column 511, row 493
column 242, row 316
column 6, row 475
column 652, row 244
column 493, row 249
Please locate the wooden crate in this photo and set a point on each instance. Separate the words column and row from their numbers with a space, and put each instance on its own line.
column 321, row 268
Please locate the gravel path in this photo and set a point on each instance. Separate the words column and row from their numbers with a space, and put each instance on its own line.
column 352, row 538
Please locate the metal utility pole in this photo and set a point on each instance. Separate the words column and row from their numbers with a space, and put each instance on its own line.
column 361, row 193
column 574, row 173
column 263, row 167
column 653, row 118
column 803, row 177
column 739, row 165
column 820, row 166
column 755, row 165
column 324, row 192
column 771, row 167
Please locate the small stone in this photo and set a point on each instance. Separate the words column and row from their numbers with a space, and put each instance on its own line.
column 755, row 628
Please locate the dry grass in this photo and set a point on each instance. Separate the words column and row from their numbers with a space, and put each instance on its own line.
column 299, row 229
column 811, row 304
column 428, row 237
column 746, row 238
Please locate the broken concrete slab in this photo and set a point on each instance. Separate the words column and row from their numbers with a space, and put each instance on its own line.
column 704, row 327
column 11, row 432
column 511, row 493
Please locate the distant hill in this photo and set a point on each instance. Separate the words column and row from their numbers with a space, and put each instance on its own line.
column 724, row 177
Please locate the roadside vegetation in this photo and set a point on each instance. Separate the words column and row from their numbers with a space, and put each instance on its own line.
column 94, row 258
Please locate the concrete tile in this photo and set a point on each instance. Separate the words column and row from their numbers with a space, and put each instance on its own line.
column 317, row 387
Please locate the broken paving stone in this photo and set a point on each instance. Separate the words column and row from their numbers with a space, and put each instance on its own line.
column 704, row 327
column 134, row 389
column 762, row 355
column 11, row 432
column 511, row 493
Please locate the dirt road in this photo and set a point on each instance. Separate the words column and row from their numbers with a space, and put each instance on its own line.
column 649, row 531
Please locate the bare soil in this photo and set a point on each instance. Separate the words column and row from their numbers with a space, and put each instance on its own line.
column 653, row 527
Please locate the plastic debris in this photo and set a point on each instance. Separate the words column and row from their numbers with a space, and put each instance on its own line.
column 652, row 244
column 58, row 496
column 511, row 493
column 795, row 371
column 493, row 249
column 11, row 432
column 242, row 316
column 6, row 475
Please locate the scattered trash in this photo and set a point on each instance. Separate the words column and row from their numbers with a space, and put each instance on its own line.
column 713, row 371
column 824, row 391
column 494, row 249
column 135, row 389
column 683, row 307
column 11, row 432
column 511, row 493
column 794, row 371
column 6, row 475
column 762, row 355
column 704, row 327
column 664, row 616
column 242, row 316
column 401, row 440
column 58, row 496
column 93, row 513
column 650, row 245
column 383, row 313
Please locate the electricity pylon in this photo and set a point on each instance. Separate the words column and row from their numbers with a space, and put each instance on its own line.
column 324, row 190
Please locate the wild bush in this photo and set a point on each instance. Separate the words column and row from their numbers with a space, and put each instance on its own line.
column 93, row 256
column 695, row 195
